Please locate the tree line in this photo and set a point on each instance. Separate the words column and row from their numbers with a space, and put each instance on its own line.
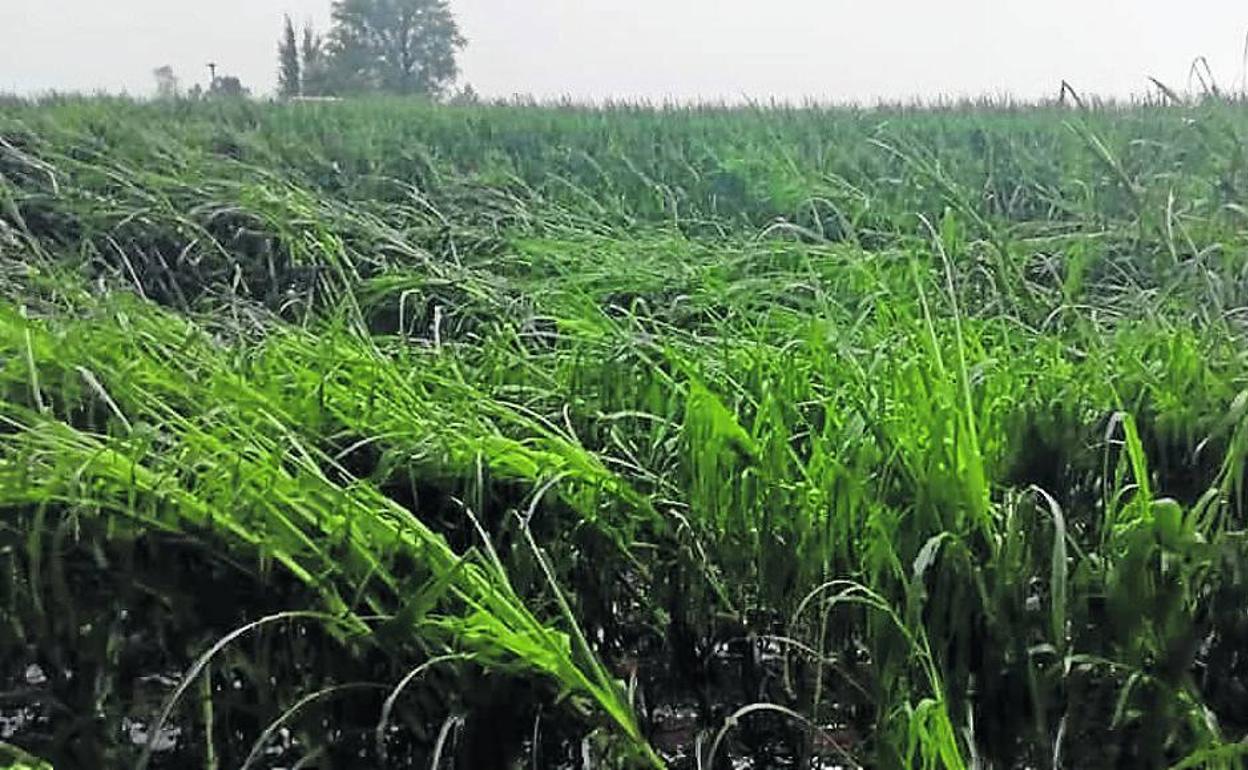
column 168, row 86
column 405, row 47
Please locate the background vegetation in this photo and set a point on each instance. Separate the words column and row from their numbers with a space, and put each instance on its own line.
column 381, row 434
column 403, row 47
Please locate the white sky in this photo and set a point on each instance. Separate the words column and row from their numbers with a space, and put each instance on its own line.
column 832, row 50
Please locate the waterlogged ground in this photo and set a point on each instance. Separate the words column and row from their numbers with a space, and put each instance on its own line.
column 383, row 434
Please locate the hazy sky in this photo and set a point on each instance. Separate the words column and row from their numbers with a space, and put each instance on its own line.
column 831, row 50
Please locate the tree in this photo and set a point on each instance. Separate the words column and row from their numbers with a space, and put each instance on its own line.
column 228, row 87
column 289, row 82
column 398, row 46
column 166, row 82
column 466, row 96
column 315, row 66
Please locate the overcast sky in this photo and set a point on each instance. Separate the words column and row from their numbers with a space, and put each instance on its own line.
column 831, row 50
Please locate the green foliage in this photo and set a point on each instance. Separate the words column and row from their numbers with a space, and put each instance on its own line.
column 315, row 64
column 289, row 78
column 394, row 46
column 228, row 87
column 894, row 438
column 13, row 758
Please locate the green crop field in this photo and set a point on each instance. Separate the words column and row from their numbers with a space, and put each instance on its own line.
column 380, row 434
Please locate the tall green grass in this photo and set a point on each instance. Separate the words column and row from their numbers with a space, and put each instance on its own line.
column 899, row 438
